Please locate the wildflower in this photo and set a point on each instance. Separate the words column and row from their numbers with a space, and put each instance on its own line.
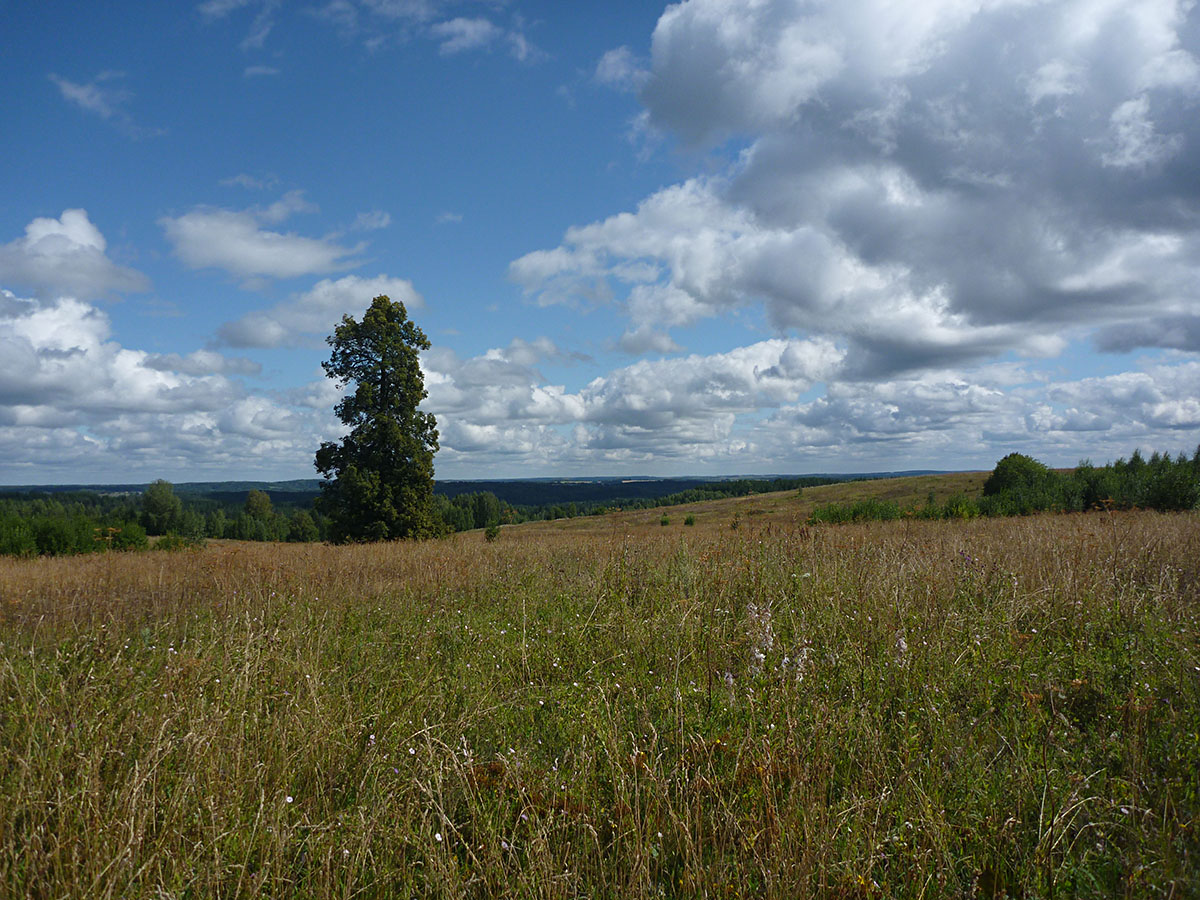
column 437, row 836
column 289, row 798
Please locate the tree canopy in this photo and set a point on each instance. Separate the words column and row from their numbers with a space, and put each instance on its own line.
column 380, row 476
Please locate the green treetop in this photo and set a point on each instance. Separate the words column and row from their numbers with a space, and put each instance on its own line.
column 380, row 476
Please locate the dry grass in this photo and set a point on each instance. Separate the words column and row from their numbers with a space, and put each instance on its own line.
column 610, row 708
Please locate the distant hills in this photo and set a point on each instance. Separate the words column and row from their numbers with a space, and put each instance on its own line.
column 516, row 491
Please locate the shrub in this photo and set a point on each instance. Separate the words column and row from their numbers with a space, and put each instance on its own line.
column 129, row 536
column 16, row 538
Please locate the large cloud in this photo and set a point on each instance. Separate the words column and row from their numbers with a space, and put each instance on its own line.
column 66, row 255
column 772, row 407
column 936, row 184
column 75, row 405
column 236, row 241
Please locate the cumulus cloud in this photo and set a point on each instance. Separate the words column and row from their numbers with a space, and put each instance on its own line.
column 618, row 68
column 66, row 256
column 307, row 318
column 236, row 241
column 202, row 362
column 59, row 360
column 462, row 33
column 457, row 35
column 762, row 408
column 933, row 185
column 675, row 407
column 1174, row 332
column 76, row 405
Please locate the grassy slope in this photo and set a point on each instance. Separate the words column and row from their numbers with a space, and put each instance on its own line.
column 609, row 708
column 783, row 506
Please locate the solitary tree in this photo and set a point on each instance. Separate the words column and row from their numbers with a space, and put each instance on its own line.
column 380, row 477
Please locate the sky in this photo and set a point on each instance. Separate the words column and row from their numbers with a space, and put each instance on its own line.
column 711, row 237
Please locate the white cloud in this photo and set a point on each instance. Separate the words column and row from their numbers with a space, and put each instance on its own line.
column 372, row 221
column 1136, row 143
column 105, row 99
column 646, row 339
column 462, row 34
column 75, row 405
column 933, row 184
column 237, row 242
column 619, row 68
column 60, row 357
column 307, row 318
column 66, row 255
column 202, row 362
column 106, row 102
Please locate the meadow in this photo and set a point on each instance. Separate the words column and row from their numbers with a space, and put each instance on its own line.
column 609, row 707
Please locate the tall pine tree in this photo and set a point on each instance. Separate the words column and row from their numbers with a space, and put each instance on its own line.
column 379, row 479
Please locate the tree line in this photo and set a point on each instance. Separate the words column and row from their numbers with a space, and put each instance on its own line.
column 1021, row 485
column 52, row 524
column 45, row 524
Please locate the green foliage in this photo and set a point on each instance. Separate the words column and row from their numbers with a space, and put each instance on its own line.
column 870, row 509
column 258, row 506
column 491, row 532
column 1016, row 472
column 690, row 520
column 302, row 528
column 161, row 508
column 380, row 477
column 173, row 542
column 16, row 537
column 664, row 521
column 960, row 506
column 128, row 536
column 1020, row 485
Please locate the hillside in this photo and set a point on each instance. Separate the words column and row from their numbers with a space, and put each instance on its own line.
column 776, row 508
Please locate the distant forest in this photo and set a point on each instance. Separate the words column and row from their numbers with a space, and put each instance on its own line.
column 56, row 521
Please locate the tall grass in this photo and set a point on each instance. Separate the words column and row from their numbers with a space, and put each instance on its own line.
column 904, row 709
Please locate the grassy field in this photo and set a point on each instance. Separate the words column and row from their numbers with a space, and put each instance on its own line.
column 608, row 707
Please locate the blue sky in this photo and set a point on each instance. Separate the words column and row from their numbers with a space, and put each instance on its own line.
column 711, row 237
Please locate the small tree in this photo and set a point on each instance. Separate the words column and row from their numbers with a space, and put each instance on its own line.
column 380, row 477
column 258, row 505
column 161, row 508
